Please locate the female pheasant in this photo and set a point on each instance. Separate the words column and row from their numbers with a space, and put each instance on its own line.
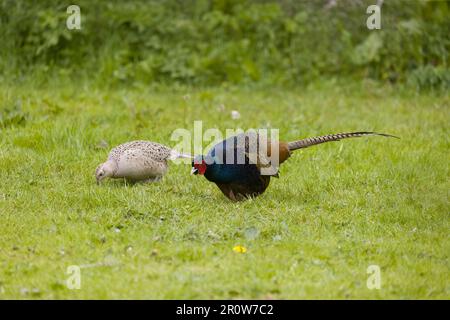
column 241, row 166
column 143, row 161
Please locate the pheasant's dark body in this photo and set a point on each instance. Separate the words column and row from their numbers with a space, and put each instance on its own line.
column 238, row 175
column 238, row 181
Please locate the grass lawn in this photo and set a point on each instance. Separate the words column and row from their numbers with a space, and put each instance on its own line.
column 336, row 209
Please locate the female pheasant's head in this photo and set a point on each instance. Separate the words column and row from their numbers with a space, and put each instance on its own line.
column 105, row 170
column 199, row 165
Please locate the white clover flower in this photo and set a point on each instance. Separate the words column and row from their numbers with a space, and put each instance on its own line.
column 235, row 115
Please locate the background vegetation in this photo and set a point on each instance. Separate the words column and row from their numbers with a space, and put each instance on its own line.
column 214, row 42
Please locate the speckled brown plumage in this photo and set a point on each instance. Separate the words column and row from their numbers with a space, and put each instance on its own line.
column 137, row 161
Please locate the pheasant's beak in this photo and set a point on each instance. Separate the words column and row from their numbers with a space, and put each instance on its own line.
column 99, row 180
column 194, row 170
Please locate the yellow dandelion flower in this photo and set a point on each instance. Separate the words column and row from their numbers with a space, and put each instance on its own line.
column 239, row 249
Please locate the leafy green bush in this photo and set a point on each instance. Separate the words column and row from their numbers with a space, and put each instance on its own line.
column 430, row 77
column 210, row 42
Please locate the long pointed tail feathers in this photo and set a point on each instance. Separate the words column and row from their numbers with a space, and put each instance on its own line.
column 305, row 143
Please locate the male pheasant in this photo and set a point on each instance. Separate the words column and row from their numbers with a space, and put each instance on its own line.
column 241, row 166
column 137, row 161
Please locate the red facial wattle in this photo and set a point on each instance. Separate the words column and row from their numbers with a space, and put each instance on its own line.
column 201, row 167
